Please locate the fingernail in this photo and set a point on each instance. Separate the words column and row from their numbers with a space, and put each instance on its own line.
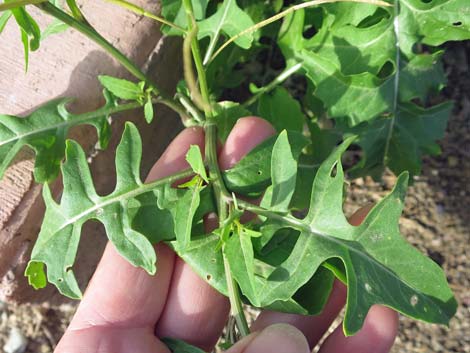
column 279, row 338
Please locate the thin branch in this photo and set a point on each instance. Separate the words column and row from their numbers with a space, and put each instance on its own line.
column 286, row 12
column 273, row 84
column 98, row 39
column 189, row 75
column 76, row 12
column 114, row 52
column 191, row 42
column 235, row 300
column 142, row 12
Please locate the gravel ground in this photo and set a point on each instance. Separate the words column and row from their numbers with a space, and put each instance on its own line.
column 435, row 220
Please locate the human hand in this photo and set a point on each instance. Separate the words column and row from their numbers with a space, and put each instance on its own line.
column 125, row 310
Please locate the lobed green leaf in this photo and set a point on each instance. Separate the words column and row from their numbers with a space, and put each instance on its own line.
column 45, row 131
column 378, row 264
column 58, row 239
column 400, row 142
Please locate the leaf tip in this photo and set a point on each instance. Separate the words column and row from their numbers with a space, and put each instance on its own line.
column 36, row 276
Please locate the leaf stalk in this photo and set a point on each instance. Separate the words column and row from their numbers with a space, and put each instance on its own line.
column 273, row 84
column 191, row 45
column 222, row 200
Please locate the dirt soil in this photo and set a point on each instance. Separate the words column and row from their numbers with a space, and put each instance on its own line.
column 435, row 220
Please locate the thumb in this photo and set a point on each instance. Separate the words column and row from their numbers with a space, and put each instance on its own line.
column 278, row 338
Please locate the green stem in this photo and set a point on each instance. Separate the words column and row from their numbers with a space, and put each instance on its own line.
column 142, row 12
column 179, row 109
column 189, row 75
column 273, row 84
column 76, row 12
column 222, row 195
column 98, row 39
column 198, row 60
column 220, row 191
column 282, row 218
column 18, row 3
column 115, row 53
column 235, row 300
column 215, row 175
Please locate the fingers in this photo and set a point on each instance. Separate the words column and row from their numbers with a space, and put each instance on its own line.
column 376, row 336
column 248, row 133
column 195, row 312
column 112, row 340
column 119, row 294
column 276, row 338
column 174, row 157
column 314, row 327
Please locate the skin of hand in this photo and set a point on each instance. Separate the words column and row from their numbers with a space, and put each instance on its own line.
column 125, row 310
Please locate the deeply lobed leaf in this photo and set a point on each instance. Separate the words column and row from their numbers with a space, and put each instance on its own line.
column 58, row 239
column 400, row 144
column 378, row 264
column 293, row 269
column 45, row 131
column 363, row 70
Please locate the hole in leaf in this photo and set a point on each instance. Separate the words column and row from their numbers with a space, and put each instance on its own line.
column 458, row 23
column 208, row 277
column 437, row 257
column 375, row 18
column 386, row 70
column 313, row 22
column 309, row 32
column 334, row 170
column 426, row 1
column 260, row 172
column 414, row 300
column 60, row 280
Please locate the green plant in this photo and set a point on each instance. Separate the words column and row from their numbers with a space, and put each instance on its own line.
column 368, row 71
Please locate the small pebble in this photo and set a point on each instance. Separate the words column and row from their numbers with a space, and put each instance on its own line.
column 452, row 161
column 16, row 342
